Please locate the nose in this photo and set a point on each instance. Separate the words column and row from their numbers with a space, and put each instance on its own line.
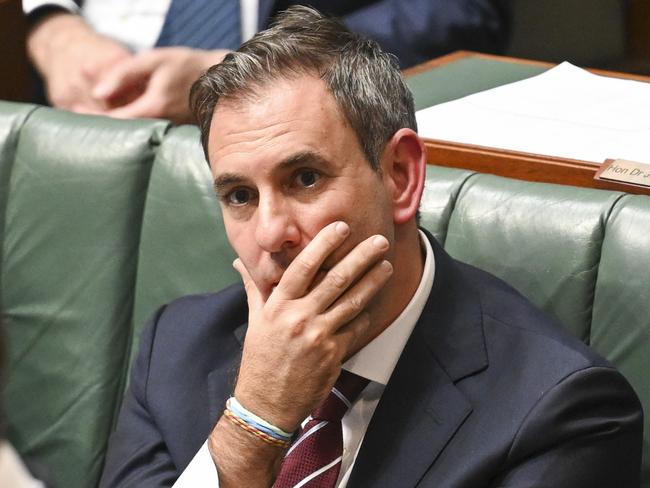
column 276, row 228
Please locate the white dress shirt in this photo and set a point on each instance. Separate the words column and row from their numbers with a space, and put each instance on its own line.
column 136, row 23
column 375, row 362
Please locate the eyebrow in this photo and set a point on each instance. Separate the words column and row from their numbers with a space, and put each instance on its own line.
column 228, row 180
column 225, row 181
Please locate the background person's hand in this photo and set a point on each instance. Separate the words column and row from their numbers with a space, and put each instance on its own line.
column 71, row 58
column 154, row 83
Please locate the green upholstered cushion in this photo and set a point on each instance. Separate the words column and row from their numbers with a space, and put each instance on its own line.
column 621, row 323
column 441, row 189
column 12, row 118
column 184, row 248
column 542, row 239
column 76, row 196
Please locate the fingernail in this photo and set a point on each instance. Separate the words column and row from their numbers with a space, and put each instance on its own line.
column 380, row 242
column 387, row 266
column 342, row 228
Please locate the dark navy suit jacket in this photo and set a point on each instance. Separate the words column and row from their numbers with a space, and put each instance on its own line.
column 416, row 30
column 488, row 392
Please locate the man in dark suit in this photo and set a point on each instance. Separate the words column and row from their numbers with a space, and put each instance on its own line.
column 319, row 171
column 86, row 63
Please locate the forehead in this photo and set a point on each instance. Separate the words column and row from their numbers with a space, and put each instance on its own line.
column 286, row 117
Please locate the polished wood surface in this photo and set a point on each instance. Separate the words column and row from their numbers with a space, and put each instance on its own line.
column 458, row 55
column 514, row 164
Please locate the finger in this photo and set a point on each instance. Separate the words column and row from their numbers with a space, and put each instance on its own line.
column 356, row 299
column 347, row 271
column 255, row 300
column 298, row 277
column 349, row 334
column 87, row 110
column 144, row 106
column 124, row 76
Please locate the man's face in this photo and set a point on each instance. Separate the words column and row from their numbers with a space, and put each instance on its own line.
column 285, row 165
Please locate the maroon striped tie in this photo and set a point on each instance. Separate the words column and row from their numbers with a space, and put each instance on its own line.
column 314, row 459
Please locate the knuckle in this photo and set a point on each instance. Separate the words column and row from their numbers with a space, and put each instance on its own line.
column 355, row 303
column 317, row 338
column 337, row 279
column 297, row 325
column 303, row 264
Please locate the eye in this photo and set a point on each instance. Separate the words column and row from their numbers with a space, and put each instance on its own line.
column 238, row 197
column 307, row 178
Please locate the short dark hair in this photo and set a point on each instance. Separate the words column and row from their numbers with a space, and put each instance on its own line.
column 364, row 80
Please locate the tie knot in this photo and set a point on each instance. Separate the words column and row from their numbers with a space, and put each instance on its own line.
column 344, row 393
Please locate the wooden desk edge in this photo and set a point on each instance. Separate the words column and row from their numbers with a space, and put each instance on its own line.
column 459, row 55
column 520, row 165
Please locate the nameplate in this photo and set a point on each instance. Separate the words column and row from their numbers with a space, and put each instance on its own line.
column 624, row 171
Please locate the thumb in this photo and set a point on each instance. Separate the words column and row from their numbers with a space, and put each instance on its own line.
column 255, row 299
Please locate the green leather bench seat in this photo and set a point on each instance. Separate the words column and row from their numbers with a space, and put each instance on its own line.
column 102, row 221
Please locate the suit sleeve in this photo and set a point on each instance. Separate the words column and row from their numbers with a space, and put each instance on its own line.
column 419, row 30
column 137, row 454
column 585, row 432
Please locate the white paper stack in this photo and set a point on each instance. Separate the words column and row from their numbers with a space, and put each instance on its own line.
column 565, row 112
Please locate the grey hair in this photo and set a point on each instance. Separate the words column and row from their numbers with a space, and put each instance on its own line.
column 364, row 80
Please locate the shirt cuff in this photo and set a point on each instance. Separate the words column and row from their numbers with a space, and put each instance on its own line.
column 200, row 472
column 30, row 5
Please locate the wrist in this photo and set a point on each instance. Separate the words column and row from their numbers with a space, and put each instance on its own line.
column 256, row 425
column 54, row 32
column 272, row 412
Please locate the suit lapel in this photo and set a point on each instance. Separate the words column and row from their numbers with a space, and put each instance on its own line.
column 422, row 407
column 418, row 413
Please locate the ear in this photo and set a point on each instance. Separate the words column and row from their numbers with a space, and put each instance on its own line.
column 404, row 170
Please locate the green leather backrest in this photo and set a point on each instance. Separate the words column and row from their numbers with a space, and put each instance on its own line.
column 544, row 240
column 620, row 329
column 184, row 248
column 75, row 198
column 12, row 118
column 106, row 220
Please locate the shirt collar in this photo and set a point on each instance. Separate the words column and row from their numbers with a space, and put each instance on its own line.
column 377, row 360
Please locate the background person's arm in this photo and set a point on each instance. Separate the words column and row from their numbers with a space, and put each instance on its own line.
column 154, row 83
column 420, row 30
column 71, row 58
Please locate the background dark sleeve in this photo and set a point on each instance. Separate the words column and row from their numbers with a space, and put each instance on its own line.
column 137, row 454
column 586, row 432
column 419, row 30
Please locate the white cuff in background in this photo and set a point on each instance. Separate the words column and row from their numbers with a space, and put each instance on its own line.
column 31, row 5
